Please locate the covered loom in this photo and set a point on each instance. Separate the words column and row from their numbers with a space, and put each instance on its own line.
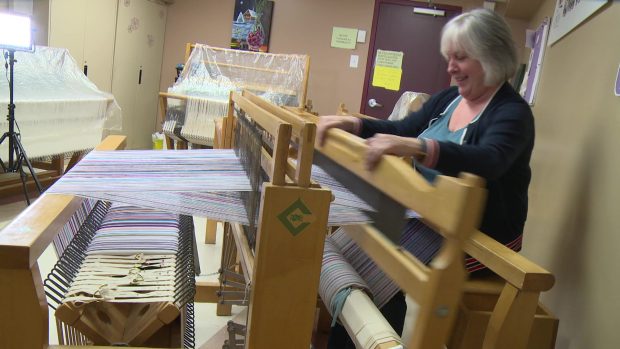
column 200, row 96
column 58, row 110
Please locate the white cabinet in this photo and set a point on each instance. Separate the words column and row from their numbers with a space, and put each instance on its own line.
column 87, row 30
column 137, row 66
column 121, row 43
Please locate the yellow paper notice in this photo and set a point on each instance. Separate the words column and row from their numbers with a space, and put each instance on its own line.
column 344, row 37
column 392, row 59
column 387, row 77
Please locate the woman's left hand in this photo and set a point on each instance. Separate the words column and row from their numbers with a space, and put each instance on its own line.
column 381, row 144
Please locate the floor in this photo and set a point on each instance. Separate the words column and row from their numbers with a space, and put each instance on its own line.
column 210, row 329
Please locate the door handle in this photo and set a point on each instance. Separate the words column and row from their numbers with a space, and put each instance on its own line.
column 374, row 104
column 140, row 76
column 85, row 68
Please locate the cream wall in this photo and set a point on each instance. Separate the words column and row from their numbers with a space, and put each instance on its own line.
column 298, row 26
column 573, row 228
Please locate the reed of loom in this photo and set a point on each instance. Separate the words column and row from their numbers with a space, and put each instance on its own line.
column 25, row 321
column 502, row 310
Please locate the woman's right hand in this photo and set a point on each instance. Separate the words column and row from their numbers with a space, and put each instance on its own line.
column 343, row 122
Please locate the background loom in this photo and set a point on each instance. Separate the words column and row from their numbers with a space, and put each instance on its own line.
column 200, row 96
column 59, row 112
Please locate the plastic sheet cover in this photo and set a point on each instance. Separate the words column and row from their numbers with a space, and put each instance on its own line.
column 58, row 110
column 408, row 102
column 212, row 72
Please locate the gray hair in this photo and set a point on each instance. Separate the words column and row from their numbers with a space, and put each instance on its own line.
column 486, row 37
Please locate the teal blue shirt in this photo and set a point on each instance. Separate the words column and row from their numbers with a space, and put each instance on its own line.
column 439, row 131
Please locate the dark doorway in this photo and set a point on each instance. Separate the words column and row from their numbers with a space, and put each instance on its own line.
column 398, row 27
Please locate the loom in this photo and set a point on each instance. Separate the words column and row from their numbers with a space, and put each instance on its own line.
column 200, row 96
column 58, row 110
column 282, row 270
column 347, row 152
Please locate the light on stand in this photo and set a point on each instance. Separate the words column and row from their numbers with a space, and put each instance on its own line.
column 15, row 32
column 15, row 35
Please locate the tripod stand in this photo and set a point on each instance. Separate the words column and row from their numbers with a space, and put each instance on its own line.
column 17, row 154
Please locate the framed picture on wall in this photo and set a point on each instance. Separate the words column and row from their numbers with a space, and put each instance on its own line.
column 251, row 25
column 569, row 14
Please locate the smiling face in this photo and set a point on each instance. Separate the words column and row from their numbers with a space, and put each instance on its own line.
column 468, row 75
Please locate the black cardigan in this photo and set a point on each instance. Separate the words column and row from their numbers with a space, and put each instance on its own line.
column 497, row 147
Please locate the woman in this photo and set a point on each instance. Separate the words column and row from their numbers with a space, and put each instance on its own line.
column 481, row 126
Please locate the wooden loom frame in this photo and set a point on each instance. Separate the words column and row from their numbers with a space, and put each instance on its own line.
column 438, row 286
column 163, row 96
column 23, row 302
column 283, row 264
column 501, row 311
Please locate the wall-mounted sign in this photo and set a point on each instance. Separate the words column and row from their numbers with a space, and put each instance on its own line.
column 388, row 70
column 344, row 38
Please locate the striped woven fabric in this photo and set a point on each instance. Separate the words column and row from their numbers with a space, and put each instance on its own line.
column 337, row 274
column 128, row 230
column 155, row 171
column 68, row 231
column 130, row 259
column 206, row 183
column 417, row 238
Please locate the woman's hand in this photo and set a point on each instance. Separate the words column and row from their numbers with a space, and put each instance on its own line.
column 344, row 122
column 381, row 144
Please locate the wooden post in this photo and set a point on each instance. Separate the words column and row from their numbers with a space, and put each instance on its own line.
column 211, row 231
column 511, row 321
column 24, row 322
column 288, row 257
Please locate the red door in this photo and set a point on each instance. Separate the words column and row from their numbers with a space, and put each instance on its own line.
column 397, row 27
